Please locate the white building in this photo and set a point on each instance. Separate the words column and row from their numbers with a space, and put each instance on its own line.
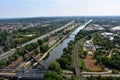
column 108, row 35
column 94, row 27
column 89, row 45
column 117, row 28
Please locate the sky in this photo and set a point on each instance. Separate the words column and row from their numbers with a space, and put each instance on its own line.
column 38, row 8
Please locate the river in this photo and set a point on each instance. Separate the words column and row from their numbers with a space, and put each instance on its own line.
column 58, row 50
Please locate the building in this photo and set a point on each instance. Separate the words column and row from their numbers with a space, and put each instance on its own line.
column 115, row 29
column 89, row 46
column 108, row 35
column 105, row 34
column 94, row 27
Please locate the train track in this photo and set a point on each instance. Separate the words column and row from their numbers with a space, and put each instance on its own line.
column 75, row 58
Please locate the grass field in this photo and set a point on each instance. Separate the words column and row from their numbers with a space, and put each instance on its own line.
column 80, row 51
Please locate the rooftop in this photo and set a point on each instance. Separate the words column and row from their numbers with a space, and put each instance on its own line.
column 106, row 34
column 115, row 28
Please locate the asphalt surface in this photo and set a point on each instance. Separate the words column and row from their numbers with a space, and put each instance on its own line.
column 103, row 75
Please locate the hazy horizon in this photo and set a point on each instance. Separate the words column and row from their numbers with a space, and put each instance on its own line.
column 53, row 8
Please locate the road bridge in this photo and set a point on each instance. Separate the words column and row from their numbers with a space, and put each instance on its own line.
column 25, row 73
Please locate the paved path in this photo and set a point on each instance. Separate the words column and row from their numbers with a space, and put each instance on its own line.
column 103, row 75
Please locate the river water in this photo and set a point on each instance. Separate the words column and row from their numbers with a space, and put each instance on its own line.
column 58, row 50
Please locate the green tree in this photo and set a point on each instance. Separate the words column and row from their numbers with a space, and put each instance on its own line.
column 31, row 46
column 55, row 66
column 64, row 63
column 36, row 51
column 85, row 53
column 40, row 42
column 51, row 75
column 43, row 48
column 74, row 77
column 115, row 71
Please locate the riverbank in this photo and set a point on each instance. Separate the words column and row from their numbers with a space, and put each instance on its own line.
column 46, row 53
column 40, row 57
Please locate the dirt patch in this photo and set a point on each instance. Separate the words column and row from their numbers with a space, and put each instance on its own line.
column 90, row 63
column 52, row 38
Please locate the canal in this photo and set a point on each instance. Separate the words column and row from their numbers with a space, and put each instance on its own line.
column 58, row 50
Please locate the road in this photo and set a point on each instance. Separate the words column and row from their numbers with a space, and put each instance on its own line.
column 12, row 51
column 26, row 73
column 96, row 73
column 103, row 75
column 75, row 57
column 22, row 75
column 7, row 74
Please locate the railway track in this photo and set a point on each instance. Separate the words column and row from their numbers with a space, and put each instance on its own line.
column 75, row 58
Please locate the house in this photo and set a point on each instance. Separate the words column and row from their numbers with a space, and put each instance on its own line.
column 108, row 35
column 115, row 29
column 89, row 46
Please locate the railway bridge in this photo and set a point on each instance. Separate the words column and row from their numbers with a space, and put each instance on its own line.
column 22, row 73
column 25, row 73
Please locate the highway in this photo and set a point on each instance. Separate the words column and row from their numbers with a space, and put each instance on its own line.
column 12, row 51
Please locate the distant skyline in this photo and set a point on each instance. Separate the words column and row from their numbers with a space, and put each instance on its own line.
column 41, row 8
